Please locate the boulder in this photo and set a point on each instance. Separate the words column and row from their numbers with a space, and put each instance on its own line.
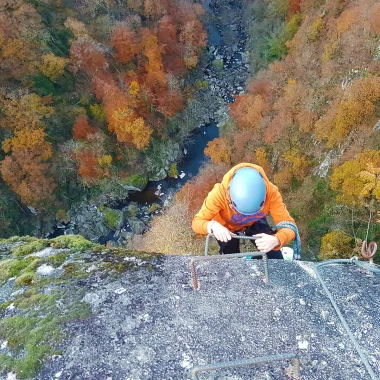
column 137, row 225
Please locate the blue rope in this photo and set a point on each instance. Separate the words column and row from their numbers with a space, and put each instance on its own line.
column 297, row 241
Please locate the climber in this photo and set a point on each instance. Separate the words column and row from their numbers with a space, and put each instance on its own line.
column 239, row 204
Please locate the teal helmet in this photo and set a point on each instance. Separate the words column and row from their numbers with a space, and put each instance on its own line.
column 247, row 191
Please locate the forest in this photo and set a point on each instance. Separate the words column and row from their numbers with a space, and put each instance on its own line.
column 91, row 92
column 310, row 117
column 89, row 95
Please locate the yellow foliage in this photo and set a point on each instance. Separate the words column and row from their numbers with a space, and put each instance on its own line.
column 262, row 160
column 330, row 51
column 28, row 140
column 315, row 29
column 134, row 88
column 299, row 163
column 350, row 114
column 77, row 27
column 26, row 112
column 12, row 48
column 52, row 66
column 62, row 216
column 105, row 161
column 191, row 61
column 130, row 129
column 98, row 112
column 358, row 179
column 335, row 245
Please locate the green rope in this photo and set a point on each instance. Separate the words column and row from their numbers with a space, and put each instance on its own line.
column 297, row 241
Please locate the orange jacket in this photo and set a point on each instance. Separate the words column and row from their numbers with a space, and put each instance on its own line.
column 215, row 207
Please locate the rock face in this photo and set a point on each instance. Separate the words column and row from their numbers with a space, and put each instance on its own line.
column 151, row 324
column 87, row 220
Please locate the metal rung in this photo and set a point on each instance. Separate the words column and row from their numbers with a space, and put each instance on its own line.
column 227, row 257
column 245, row 362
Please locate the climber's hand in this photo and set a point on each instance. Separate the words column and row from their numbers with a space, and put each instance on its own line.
column 219, row 231
column 266, row 243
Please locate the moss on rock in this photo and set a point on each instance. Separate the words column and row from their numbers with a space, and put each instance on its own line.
column 30, row 247
column 113, row 218
column 11, row 268
column 24, row 279
column 74, row 242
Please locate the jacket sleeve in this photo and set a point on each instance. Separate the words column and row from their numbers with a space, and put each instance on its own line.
column 211, row 206
column 280, row 213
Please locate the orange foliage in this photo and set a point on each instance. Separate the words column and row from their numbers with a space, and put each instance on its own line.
column 283, row 179
column 88, row 166
column 151, row 50
column 171, row 49
column 249, row 110
column 126, row 43
column 294, row 6
column 171, row 103
column 219, row 151
column 155, row 9
column 195, row 191
column 88, row 57
column 192, row 37
column 82, row 128
column 25, row 170
column 20, row 39
column 348, row 18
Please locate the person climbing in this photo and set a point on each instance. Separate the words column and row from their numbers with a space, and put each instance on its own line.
column 240, row 203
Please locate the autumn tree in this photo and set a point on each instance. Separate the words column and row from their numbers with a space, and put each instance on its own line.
column 21, row 39
column 358, row 180
column 219, row 150
column 25, row 169
column 356, row 107
column 82, row 128
column 126, row 42
column 336, row 245
column 52, row 66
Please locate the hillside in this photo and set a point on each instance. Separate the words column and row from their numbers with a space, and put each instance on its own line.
column 116, row 314
column 310, row 117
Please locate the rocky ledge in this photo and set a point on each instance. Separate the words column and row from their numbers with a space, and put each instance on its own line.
column 86, row 312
